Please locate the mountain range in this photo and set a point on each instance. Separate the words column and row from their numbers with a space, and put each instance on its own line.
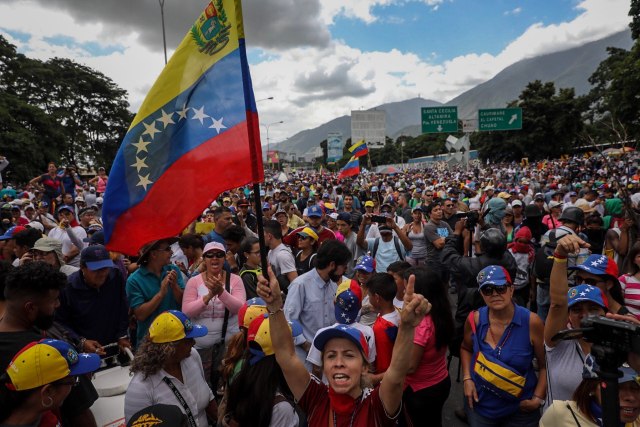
column 569, row 68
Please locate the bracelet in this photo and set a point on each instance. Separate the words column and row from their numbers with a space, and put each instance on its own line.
column 557, row 255
column 466, row 379
column 560, row 260
column 273, row 313
column 81, row 344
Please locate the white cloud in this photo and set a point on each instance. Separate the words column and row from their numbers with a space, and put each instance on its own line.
column 312, row 84
column 515, row 11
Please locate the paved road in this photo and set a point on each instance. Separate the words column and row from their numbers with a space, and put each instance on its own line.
column 455, row 396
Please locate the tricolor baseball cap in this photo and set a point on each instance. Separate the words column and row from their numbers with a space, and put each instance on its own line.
column 251, row 309
column 259, row 339
column 366, row 263
column 342, row 331
column 308, row 232
column 348, row 302
column 600, row 265
column 11, row 232
column 174, row 325
column 585, row 292
column 47, row 361
column 493, row 275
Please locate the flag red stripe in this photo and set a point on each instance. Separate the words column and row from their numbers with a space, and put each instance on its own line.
column 178, row 195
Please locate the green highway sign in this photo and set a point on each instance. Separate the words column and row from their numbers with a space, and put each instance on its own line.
column 439, row 119
column 500, row 119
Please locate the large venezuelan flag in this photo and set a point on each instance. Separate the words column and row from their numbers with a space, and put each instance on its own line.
column 195, row 135
column 359, row 149
column 351, row 168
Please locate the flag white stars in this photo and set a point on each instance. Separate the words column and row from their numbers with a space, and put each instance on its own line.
column 150, row 129
column 182, row 114
column 200, row 115
column 139, row 164
column 144, row 182
column 141, row 145
column 166, row 119
column 217, row 124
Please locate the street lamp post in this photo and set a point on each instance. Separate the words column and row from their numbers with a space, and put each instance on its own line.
column 164, row 37
column 267, row 126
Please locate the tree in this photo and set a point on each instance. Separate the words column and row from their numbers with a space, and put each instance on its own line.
column 74, row 113
column 614, row 97
column 550, row 126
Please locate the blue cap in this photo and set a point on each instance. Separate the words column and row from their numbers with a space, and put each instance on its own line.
column 366, row 263
column 583, row 293
column 66, row 208
column 314, row 211
column 493, row 275
column 342, row 331
column 96, row 257
column 266, row 206
column 344, row 216
column 96, row 238
column 600, row 265
column 374, row 188
column 79, row 363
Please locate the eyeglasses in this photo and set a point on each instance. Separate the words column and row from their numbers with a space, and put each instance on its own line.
column 488, row 290
column 448, row 206
column 588, row 281
column 217, row 254
column 72, row 381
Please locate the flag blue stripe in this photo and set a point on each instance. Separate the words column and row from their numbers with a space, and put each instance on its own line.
column 220, row 86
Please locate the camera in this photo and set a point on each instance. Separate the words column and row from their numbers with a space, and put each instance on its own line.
column 380, row 219
column 472, row 218
column 621, row 337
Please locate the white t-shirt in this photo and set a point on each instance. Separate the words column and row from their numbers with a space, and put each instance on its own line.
column 61, row 234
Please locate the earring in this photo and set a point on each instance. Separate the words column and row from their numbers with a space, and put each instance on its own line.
column 47, row 405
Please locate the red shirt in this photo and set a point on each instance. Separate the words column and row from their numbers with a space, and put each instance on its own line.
column 369, row 412
column 385, row 332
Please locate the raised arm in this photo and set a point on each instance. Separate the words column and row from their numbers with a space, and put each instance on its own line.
column 360, row 240
column 404, row 238
column 559, row 286
column 293, row 369
column 415, row 308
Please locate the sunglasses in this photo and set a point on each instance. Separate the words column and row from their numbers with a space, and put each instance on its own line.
column 588, row 281
column 301, row 237
column 216, row 254
column 448, row 206
column 488, row 290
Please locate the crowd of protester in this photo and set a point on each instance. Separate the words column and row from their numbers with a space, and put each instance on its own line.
column 373, row 282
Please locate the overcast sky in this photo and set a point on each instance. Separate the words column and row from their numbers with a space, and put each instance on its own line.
column 319, row 59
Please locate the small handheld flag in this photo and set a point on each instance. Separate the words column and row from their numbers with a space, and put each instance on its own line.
column 195, row 135
column 351, row 168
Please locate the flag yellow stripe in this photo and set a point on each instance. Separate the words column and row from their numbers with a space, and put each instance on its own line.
column 187, row 63
column 496, row 374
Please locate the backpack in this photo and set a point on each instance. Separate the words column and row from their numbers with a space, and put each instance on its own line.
column 396, row 243
column 543, row 260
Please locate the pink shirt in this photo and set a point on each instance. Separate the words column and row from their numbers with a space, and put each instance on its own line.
column 631, row 289
column 432, row 368
column 194, row 307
